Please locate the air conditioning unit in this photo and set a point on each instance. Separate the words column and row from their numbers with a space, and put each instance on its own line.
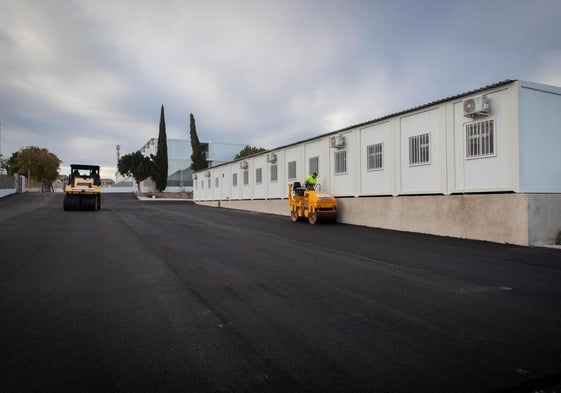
column 243, row 165
column 338, row 141
column 272, row 158
column 194, row 176
column 476, row 107
column 207, row 173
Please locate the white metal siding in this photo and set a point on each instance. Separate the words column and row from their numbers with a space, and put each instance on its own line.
column 540, row 138
column 260, row 191
column 492, row 173
column 342, row 184
column 377, row 181
column 277, row 189
column 425, row 177
column 526, row 120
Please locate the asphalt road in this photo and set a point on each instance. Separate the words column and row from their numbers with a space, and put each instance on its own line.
column 174, row 297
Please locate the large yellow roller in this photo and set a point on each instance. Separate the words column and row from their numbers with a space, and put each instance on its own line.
column 83, row 191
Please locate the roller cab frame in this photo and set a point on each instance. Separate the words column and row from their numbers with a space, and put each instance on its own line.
column 83, row 191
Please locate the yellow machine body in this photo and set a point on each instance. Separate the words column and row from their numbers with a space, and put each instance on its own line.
column 312, row 204
column 83, row 191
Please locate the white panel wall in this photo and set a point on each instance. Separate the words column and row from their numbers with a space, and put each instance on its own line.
column 343, row 184
column 295, row 153
column 527, row 120
column 261, row 189
column 225, row 173
column 377, row 181
column 237, row 189
column 423, row 178
column 496, row 173
column 317, row 149
column 277, row 189
column 247, row 189
column 540, row 138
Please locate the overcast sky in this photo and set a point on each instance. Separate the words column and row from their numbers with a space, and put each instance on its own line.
column 79, row 77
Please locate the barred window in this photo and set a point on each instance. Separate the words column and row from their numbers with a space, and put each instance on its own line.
column 292, row 170
column 374, row 156
column 209, row 184
column 215, row 182
column 235, row 180
column 419, row 149
column 340, row 161
column 258, row 176
column 245, row 178
column 274, row 173
column 480, row 139
column 313, row 164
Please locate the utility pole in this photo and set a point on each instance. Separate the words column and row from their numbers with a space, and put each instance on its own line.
column 118, row 158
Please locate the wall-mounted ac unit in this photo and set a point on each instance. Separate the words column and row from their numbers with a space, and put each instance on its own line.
column 272, row 158
column 195, row 176
column 476, row 107
column 207, row 173
column 337, row 142
column 243, row 165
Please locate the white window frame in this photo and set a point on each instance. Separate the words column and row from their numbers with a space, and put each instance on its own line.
column 340, row 162
column 216, row 182
column 246, row 177
column 313, row 165
column 419, row 149
column 292, row 176
column 480, row 139
column 258, row 175
column 234, row 179
column 274, row 173
column 375, row 157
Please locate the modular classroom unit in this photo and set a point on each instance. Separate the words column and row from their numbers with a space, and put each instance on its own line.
column 484, row 165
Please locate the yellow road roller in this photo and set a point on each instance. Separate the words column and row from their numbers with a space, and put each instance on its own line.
column 83, row 191
column 311, row 203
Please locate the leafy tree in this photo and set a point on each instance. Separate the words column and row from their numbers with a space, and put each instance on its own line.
column 135, row 165
column 160, row 168
column 248, row 151
column 198, row 159
column 37, row 163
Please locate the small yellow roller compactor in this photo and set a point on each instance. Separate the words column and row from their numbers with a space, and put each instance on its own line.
column 311, row 203
column 83, row 191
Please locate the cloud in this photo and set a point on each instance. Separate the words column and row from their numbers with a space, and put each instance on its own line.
column 81, row 77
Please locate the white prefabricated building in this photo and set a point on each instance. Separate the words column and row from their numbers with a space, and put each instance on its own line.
column 484, row 164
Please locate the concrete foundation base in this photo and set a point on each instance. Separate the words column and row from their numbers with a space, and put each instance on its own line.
column 521, row 219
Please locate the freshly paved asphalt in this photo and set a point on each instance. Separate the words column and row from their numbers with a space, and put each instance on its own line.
column 174, row 297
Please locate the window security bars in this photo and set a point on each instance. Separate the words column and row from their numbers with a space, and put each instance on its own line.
column 340, row 158
column 258, row 176
column 313, row 164
column 292, row 170
column 374, row 156
column 419, row 149
column 480, row 139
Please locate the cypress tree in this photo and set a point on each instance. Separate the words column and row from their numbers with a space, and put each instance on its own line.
column 198, row 159
column 161, row 159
